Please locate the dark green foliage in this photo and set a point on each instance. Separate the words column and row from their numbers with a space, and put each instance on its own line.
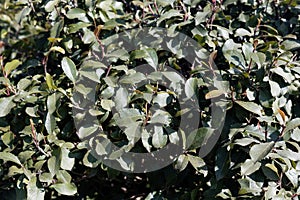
column 255, row 45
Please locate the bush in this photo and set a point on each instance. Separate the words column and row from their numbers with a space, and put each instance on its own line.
column 47, row 46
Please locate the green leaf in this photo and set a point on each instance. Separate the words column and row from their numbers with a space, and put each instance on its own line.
column 69, row 68
column 133, row 78
column 49, row 7
column 196, row 161
column 259, row 151
column 7, row 138
column 151, row 58
column 159, row 139
column 51, row 103
column 75, row 13
column 50, row 82
column 161, row 99
column 107, row 104
column 33, row 191
column 148, row 54
column 181, row 162
column 50, row 123
column 251, row 106
column 199, row 137
column 67, row 162
column 32, row 111
column 249, row 167
column 242, row 32
column 63, row 176
column 6, row 104
column 291, row 44
column 54, row 164
column 275, row 88
column 292, row 175
column 190, row 87
column 213, row 94
column 6, row 156
column 121, row 100
column 169, row 14
column 288, row 77
column 65, row 188
column 291, row 125
column 145, row 140
column 58, row 49
column 12, row 65
column 173, row 137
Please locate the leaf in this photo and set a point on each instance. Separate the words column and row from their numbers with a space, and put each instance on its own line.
column 173, row 137
column 148, row 54
column 291, row 44
column 190, row 87
column 249, row 167
column 259, row 151
column 275, row 88
column 213, row 94
column 69, row 68
column 58, row 49
column 282, row 115
column 291, row 125
column 133, row 78
column 288, row 77
column 12, row 65
column 53, row 164
column 6, row 104
column 121, row 100
column 75, row 13
column 242, row 32
column 33, row 191
column 63, row 176
column 181, row 162
column 159, row 139
column 65, row 188
column 292, row 175
column 161, row 99
column 50, row 82
column 151, row 57
column 251, row 106
column 199, row 137
column 6, row 156
column 51, row 103
column 50, row 123
column 67, row 163
column 49, row 7
column 196, row 161
column 169, row 14
column 53, row 40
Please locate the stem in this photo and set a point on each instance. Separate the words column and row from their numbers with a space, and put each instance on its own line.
column 35, row 138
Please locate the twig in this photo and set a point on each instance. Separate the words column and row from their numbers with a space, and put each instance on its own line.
column 186, row 14
column 96, row 33
column 35, row 138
